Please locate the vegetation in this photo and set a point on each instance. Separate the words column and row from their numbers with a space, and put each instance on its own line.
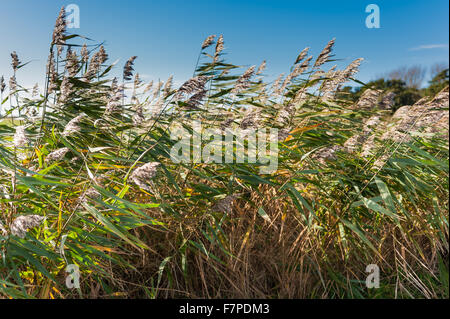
column 405, row 84
column 87, row 179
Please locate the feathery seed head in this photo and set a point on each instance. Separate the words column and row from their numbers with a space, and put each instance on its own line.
column 142, row 175
column 60, row 30
column 71, row 63
column 128, row 68
column 337, row 78
column 219, row 48
column 20, row 139
column 94, row 66
column 35, row 90
column 102, row 55
column 57, row 155
column 225, row 205
column 12, row 83
column 157, row 89
column 168, row 85
column 276, row 85
column 196, row 99
column 327, row 154
column 208, row 41
column 51, row 73
column 148, row 87
column 73, row 125
column 352, row 68
column 301, row 68
column 302, row 55
column 387, row 101
column 243, row 81
column 323, row 56
column 114, row 84
column 193, row 85
column 137, row 81
column 138, row 117
column 84, row 54
column 66, row 89
column 250, row 120
column 115, row 99
column 261, row 68
column 15, row 60
column 2, row 84
column 369, row 98
column 22, row 224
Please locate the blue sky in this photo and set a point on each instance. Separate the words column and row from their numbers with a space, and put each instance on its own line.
column 166, row 35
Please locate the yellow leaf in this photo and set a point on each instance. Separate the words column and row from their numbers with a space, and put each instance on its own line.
column 304, row 129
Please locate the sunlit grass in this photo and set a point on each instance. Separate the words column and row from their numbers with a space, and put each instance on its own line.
column 201, row 230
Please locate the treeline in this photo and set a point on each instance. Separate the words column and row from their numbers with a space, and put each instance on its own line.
column 405, row 82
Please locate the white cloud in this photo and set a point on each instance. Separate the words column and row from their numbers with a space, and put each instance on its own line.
column 429, row 47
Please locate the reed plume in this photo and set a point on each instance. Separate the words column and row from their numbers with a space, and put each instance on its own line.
column 51, row 72
column 208, row 41
column 157, row 89
column 168, row 86
column 251, row 119
column 73, row 125
column 115, row 100
column 57, row 155
column 59, row 32
column 261, row 68
column 94, row 66
column 21, row 225
column 352, row 68
column 302, row 55
column 2, row 84
column 141, row 176
column 219, row 48
column 148, row 87
column 84, row 53
column 196, row 99
column 324, row 55
column 225, row 205
column 276, row 85
column 12, row 84
column 15, row 61
column 243, row 81
column 137, row 81
column 138, row 117
column 20, row 139
column 71, row 63
column 128, row 68
column 66, row 89
column 35, row 91
column 102, row 55
column 193, row 85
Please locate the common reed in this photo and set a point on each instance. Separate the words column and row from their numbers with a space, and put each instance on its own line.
column 91, row 182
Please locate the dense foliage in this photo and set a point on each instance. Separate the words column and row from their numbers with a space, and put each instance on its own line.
column 86, row 178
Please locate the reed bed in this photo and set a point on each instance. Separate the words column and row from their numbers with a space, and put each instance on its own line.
column 86, row 179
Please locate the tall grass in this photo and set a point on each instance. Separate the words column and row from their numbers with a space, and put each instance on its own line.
column 209, row 230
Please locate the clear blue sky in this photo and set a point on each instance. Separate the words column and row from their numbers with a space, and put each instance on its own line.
column 166, row 35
